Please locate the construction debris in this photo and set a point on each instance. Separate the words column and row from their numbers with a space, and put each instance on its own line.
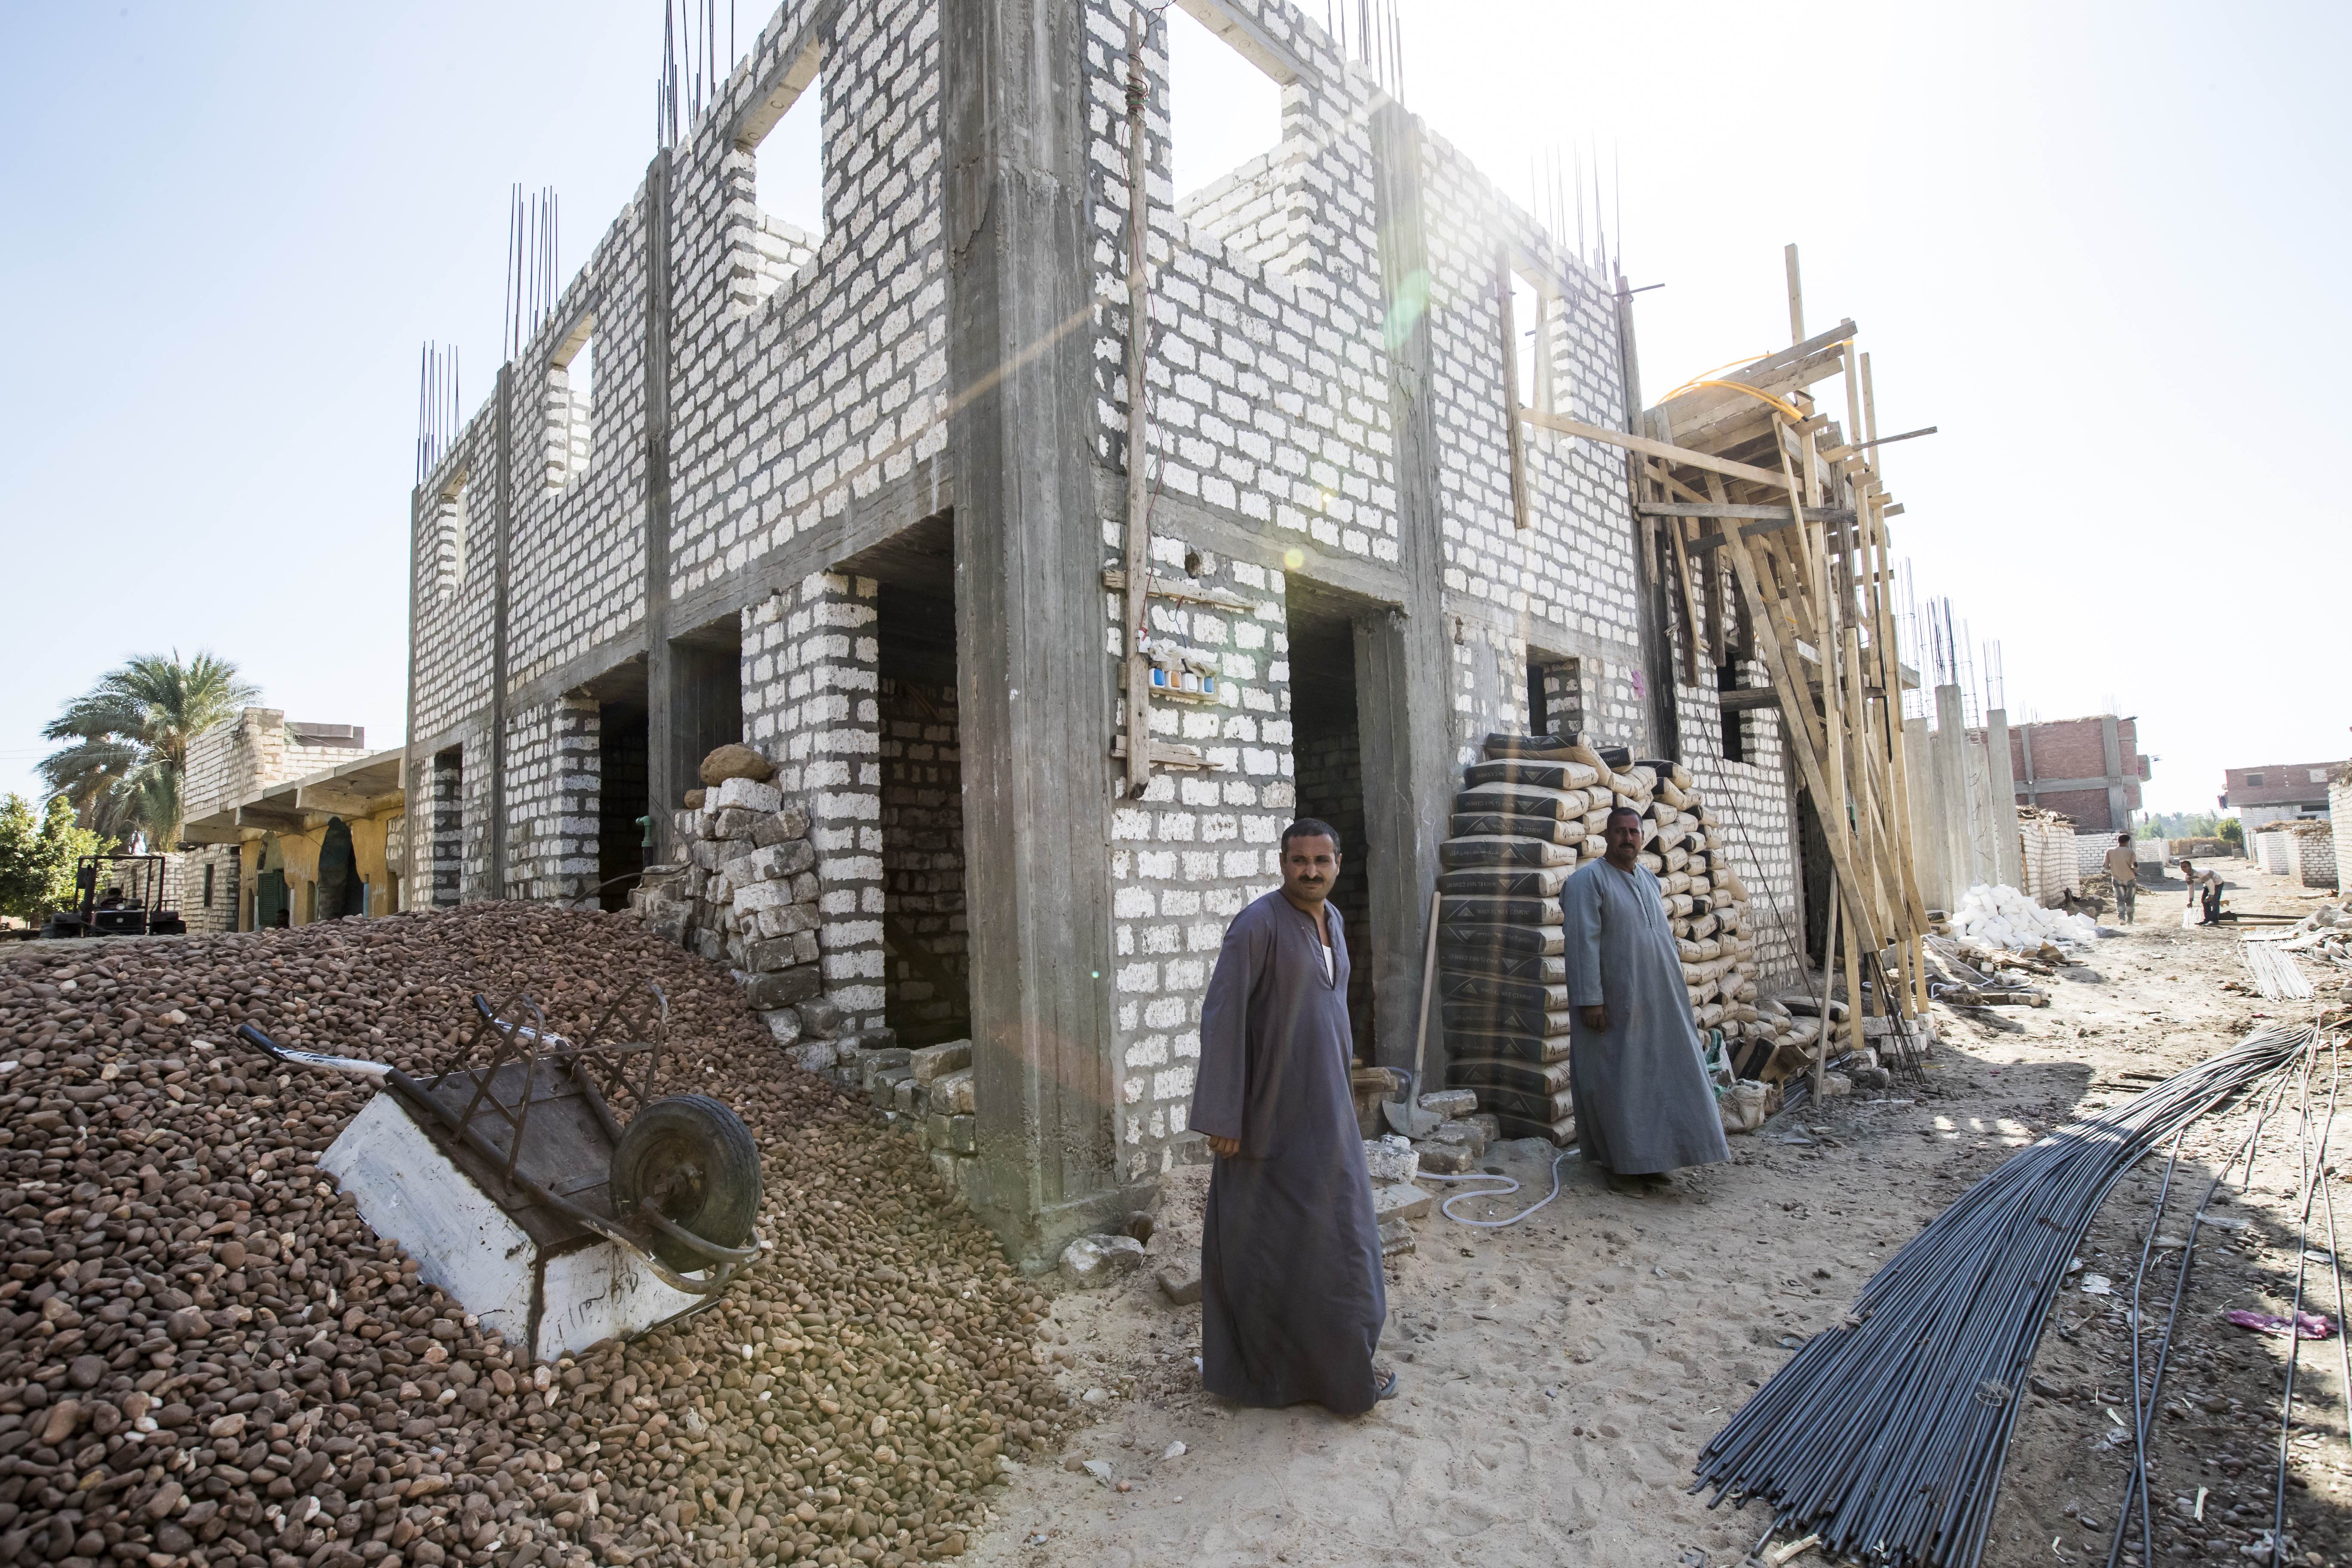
column 2276, row 975
column 199, row 1330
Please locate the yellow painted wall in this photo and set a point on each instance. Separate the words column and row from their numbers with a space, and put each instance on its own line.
column 300, row 853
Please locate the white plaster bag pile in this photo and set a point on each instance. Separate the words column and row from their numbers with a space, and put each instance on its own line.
column 1997, row 915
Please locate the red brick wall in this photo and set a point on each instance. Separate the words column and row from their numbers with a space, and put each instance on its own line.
column 2284, row 784
column 2077, row 748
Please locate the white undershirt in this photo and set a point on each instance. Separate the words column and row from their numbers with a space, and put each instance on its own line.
column 1325, row 949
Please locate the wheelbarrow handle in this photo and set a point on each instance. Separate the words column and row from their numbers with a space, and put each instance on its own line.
column 355, row 1065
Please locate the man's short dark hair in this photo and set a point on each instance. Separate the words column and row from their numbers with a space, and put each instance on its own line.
column 1617, row 811
column 1311, row 828
column 2123, row 837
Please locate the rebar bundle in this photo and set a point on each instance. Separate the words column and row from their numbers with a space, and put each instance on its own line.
column 1886, row 1437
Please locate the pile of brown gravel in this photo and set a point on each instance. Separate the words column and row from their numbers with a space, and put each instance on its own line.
column 207, row 1358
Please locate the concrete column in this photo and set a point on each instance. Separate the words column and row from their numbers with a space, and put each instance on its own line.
column 501, row 563
column 1927, row 815
column 1037, row 699
column 1981, row 839
column 1403, row 659
column 1952, row 789
column 2008, row 853
column 666, row 783
column 811, row 672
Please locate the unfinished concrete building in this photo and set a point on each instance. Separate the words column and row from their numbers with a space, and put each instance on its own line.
column 861, row 500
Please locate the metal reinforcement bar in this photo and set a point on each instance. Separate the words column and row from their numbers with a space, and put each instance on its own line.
column 1887, row 1435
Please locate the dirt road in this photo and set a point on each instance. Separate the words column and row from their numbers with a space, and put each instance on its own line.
column 1561, row 1375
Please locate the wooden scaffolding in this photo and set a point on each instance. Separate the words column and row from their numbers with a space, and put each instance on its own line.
column 1739, row 472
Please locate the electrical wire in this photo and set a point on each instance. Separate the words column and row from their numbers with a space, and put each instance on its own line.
column 1510, row 1184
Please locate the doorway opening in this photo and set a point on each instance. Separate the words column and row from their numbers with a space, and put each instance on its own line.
column 623, row 781
column 706, row 698
column 1814, row 876
column 1328, row 759
column 338, row 890
column 446, row 824
column 926, row 940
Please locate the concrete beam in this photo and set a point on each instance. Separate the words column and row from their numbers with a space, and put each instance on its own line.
column 1037, row 713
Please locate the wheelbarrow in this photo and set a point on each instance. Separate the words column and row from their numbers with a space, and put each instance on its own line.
column 528, row 1115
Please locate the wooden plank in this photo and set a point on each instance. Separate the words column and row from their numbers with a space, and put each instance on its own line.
column 1794, row 701
column 1691, row 627
column 1166, row 755
column 1517, row 437
column 1796, row 297
column 1159, row 587
column 1731, row 509
column 1563, row 425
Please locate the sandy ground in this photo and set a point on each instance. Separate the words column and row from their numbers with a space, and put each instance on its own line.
column 1561, row 1375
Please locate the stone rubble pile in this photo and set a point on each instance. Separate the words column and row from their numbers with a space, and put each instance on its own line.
column 743, row 893
column 207, row 1358
column 1525, row 819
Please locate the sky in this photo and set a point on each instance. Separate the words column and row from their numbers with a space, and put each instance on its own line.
column 2092, row 244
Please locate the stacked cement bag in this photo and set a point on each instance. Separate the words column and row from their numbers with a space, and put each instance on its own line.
column 1527, row 816
column 1521, row 824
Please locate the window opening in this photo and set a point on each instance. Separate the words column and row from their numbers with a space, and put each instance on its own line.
column 570, row 402
column 208, row 884
column 1531, row 326
column 779, row 174
column 2254, row 778
column 1734, row 719
column 1234, row 174
column 449, row 538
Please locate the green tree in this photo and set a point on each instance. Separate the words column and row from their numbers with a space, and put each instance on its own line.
column 2233, row 830
column 37, row 857
column 128, row 738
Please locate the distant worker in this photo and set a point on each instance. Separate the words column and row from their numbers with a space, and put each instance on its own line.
column 1644, row 1105
column 2123, row 868
column 2204, row 887
column 1292, row 1299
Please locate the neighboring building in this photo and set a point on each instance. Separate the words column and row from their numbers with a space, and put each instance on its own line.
column 2089, row 769
column 852, row 500
column 2276, row 792
column 289, row 823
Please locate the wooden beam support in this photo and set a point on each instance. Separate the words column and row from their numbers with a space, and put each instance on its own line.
column 1561, row 425
column 1729, row 509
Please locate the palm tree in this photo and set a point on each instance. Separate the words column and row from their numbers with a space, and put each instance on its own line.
column 128, row 741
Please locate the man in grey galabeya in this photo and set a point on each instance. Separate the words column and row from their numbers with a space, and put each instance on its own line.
column 1644, row 1105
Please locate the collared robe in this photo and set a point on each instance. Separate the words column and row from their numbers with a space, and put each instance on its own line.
column 1642, row 1102
column 1292, row 1299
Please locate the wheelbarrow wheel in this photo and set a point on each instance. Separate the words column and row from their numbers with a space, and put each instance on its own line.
column 692, row 1159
